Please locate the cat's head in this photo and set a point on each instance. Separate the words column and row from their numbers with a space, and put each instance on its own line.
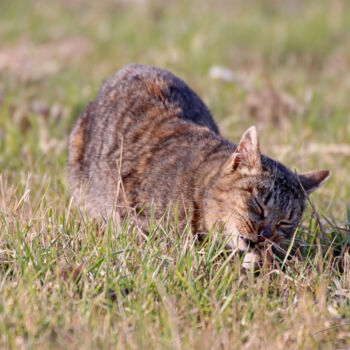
column 256, row 198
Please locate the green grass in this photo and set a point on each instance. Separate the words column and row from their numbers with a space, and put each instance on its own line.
column 67, row 282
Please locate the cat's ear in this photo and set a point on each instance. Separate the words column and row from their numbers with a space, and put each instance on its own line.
column 247, row 154
column 313, row 179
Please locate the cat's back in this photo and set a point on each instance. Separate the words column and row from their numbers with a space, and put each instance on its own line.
column 137, row 86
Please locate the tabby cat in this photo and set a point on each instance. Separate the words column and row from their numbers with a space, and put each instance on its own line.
column 148, row 141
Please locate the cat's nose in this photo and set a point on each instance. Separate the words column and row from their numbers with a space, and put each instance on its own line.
column 266, row 232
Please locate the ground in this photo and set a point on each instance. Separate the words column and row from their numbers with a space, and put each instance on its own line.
column 67, row 282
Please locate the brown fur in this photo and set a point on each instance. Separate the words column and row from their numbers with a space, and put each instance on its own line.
column 148, row 140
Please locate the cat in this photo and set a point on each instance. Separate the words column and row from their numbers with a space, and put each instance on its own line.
column 148, row 142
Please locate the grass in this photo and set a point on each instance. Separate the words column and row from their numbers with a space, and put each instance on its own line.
column 68, row 282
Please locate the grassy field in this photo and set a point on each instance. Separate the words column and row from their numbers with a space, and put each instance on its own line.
column 66, row 282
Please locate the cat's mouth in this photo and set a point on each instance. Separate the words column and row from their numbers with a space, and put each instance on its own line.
column 255, row 252
column 251, row 243
column 242, row 243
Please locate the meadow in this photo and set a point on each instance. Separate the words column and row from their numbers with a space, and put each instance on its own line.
column 67, row 282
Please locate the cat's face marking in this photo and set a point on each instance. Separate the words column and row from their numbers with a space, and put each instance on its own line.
column 259, row 207
column 258, row 200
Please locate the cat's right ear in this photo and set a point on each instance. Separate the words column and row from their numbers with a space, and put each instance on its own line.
column 313, row 179
column 247, row 154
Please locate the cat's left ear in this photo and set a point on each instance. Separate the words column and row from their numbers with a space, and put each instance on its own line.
column 313, row 179
column 247, row 156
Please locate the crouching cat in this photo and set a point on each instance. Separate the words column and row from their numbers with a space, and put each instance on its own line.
column 148, row 141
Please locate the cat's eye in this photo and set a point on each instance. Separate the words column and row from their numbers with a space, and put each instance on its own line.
column 283, row 224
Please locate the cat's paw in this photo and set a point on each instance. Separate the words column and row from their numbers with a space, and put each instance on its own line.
column 252, row 260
